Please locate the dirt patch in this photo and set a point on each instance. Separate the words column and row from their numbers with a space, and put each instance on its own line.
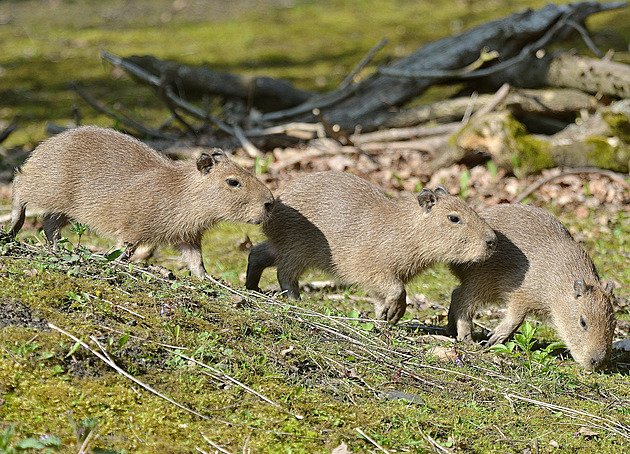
column 16, row 313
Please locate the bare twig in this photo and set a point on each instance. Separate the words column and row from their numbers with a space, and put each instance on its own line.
column 466, row 73
column 364, row 61
column 333, row 130
column 608, row 424
column 371, row 440
column 585, row 37
column 242, row 385
column 393, row 134
column 215, row 446
column 251, row 149
column 122, row 372
column 10, row 129
column 496, row 99
column 167, row 92
column 577, row 171
column 122, row 119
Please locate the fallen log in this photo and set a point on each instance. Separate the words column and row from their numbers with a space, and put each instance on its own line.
column 515, row 38
column 371, row 102
column 558, row 103
column 193, row 82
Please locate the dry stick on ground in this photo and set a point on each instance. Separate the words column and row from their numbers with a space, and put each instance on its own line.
column 242, row 385
column 167, row 91
column 371, row 440
column 214, row 445
column 377, row 94
column 10, row 129
column 347, row 81
column 612, row 425
column 123, row 120
column 609, row 424
column 580, row 170
column 122, row 372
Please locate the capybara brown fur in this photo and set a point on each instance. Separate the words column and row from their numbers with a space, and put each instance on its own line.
column 121, row 187
column 537, row 268
column 344, row 225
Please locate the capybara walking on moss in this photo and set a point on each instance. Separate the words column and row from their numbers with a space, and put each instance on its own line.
column 342, row 224
column 121, row 187
column 537, row 267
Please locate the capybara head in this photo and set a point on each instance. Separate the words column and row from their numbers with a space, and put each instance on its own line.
column 241, row 195
column 455, row 232
column 586, row 323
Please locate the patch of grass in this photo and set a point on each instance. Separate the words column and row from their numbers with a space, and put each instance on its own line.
column 266, row 373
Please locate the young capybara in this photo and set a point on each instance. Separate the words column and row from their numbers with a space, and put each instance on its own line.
column 121, row 187
column 342, row 224
column 539, row 268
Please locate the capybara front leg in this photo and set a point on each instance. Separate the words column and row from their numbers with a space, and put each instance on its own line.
column 191, row 254
column 394, row 305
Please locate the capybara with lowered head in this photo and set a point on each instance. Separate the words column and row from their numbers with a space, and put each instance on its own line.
column 121, row 187
column 538, row 268
column 342, row 224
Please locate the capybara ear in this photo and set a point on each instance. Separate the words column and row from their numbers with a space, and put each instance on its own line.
column 580, row 288
column 441, row 190
column 206, row 161
column 426, row 199
column 609, row 286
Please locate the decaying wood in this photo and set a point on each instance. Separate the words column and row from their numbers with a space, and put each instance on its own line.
column 507, row 53
column 191, row 82
column 558, row 103
column 590, row 75
column 517, row 35
column 370, row 102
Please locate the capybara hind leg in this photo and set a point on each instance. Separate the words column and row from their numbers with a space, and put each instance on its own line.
column 288, row 278
column 394, row 305
column 191, row 254
column 18, row 211
column 53, row 223
column 260, row 257
column 460, row 316
column 515, row 316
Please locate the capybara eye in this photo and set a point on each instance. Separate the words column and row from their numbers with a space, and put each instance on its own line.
column 233, row 183
column 454, row 219
column 583, row 323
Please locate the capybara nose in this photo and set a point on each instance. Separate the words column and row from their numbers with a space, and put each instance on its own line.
column 269, row 205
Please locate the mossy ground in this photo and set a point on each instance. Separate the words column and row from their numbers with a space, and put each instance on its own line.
column 310, row 360
column 325, row 374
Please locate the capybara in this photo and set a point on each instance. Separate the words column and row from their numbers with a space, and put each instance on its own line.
column 121, row 187
column 342, row 224
column 537, row 268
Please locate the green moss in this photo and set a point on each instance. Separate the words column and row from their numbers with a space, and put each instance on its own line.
column 619, row 124
column 607, row 153
column 533, row 155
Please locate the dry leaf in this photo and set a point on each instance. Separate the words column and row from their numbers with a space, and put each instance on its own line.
column 341, row 449
column 587, row 433
column 445, row 354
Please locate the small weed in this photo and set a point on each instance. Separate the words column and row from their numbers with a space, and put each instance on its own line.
column 79, row 229
column 492, row 169
column 262, row 164
column 522, row 346
column 43, row 444
column 464, row 180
